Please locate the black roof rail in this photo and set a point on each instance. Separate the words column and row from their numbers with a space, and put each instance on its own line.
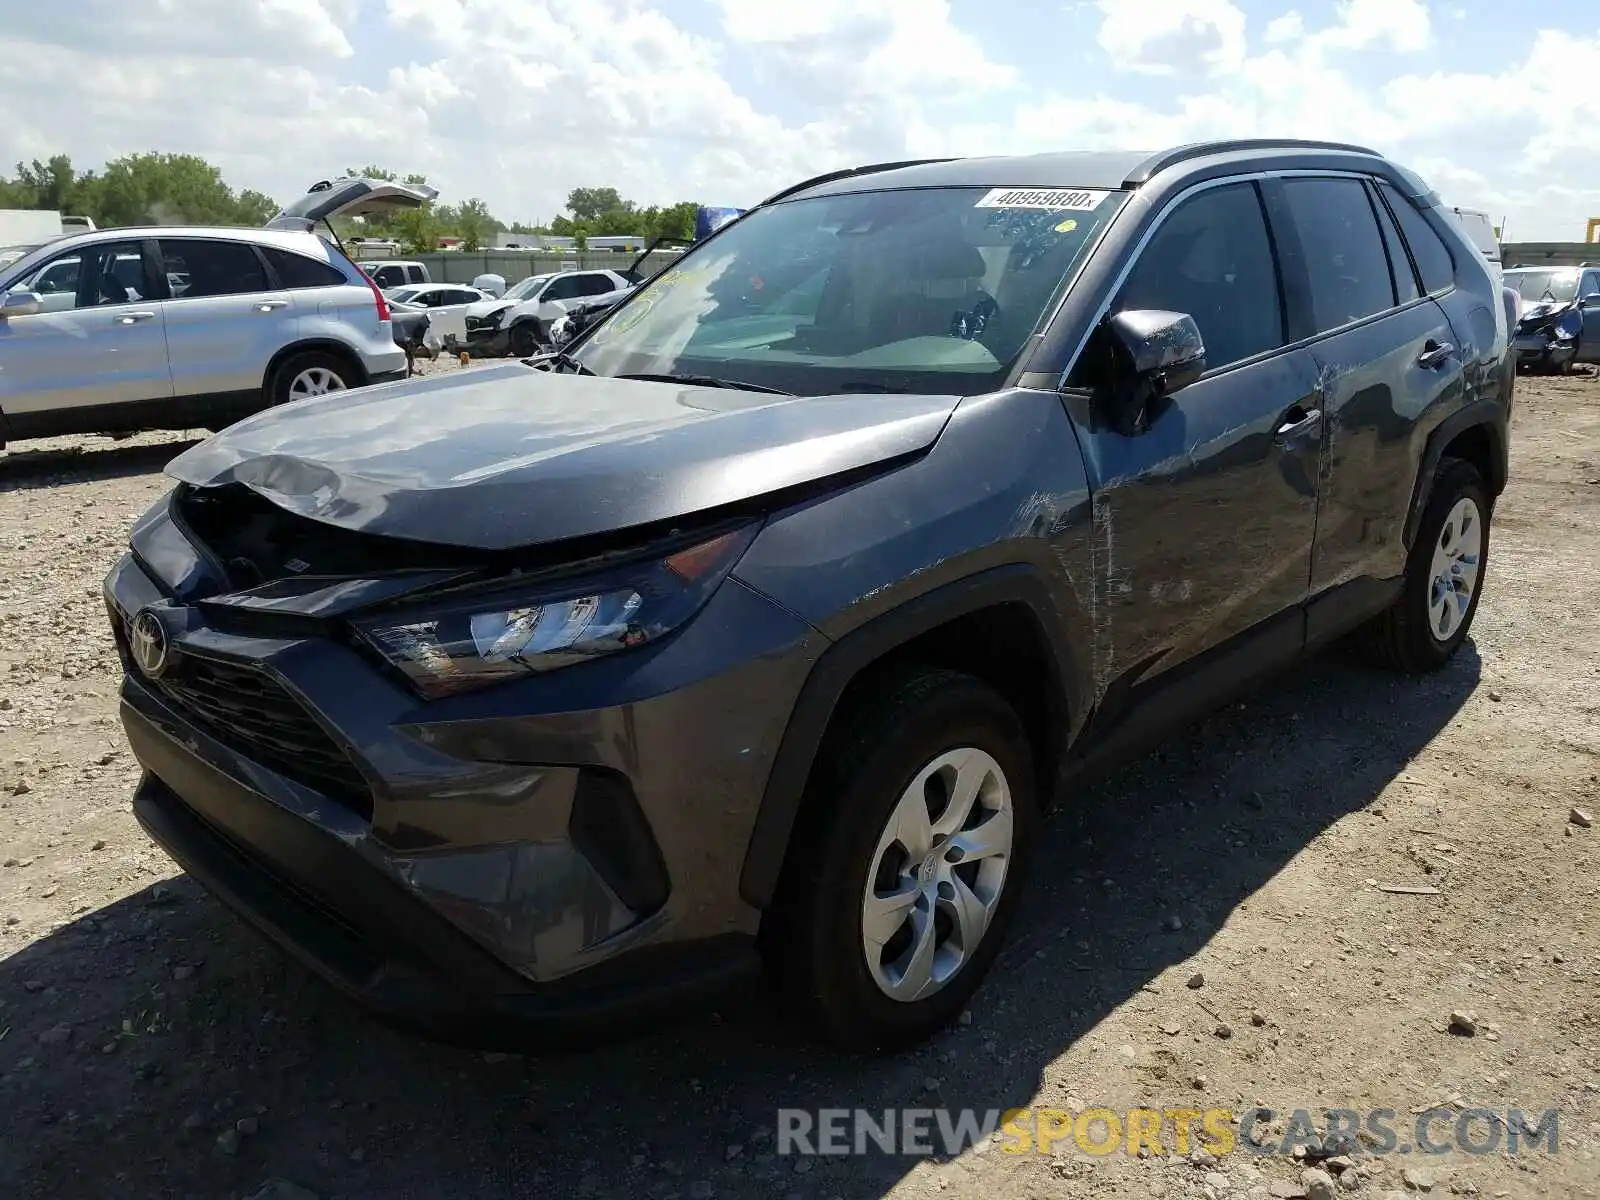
column 846, row 173
column 1178, row 154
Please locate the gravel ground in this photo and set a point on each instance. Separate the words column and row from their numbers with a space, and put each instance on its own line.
column 1212, row 934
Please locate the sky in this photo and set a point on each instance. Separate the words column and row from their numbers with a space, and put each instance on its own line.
column 724, row 101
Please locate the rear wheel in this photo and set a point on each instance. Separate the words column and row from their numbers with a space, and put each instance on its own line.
column 1444, row 577
column 314, row 373
column 908, row 863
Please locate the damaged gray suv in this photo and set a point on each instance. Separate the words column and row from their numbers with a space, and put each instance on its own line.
column 759, row 626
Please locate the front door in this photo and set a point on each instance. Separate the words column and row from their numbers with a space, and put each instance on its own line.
column 224, row 320
column 1204, row 522
column 97, row 344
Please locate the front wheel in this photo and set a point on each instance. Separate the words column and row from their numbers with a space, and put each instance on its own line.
column 1444, row 577
column 524, row 340
column 908, row 862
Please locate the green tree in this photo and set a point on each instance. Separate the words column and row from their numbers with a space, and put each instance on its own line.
column 589, row 204
column 139, row 189
column 474, row 224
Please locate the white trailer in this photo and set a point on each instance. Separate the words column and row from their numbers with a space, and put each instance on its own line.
column 28, row 226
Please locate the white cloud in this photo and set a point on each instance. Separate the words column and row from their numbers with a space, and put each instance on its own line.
column 518, row 101
column 1168, row 37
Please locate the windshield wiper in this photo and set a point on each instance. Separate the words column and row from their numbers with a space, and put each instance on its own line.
column 559, row 358
column 704, row 381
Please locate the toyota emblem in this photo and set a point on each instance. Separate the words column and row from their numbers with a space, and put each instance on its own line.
column 147, row 640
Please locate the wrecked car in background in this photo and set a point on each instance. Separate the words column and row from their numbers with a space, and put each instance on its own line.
column 1558, row 317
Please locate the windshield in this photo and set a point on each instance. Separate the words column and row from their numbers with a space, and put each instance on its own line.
column 402, row 293
column 1535, row 286
column 928, row 290
column 527, row 287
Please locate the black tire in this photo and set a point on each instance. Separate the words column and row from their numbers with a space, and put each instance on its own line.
column 812, row 941
column 524, row 340
column 1401, row 638
column 288, row 370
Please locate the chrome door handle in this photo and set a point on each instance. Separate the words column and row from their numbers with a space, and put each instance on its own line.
column 1435, row 354
column 1294, row 427
column 267, row 306
column 131, row 318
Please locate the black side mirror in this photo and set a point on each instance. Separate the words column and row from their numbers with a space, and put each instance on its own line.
column 1157, row 354
column 1592, row 300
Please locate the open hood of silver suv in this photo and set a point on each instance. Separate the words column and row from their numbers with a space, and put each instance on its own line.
column 350, row 198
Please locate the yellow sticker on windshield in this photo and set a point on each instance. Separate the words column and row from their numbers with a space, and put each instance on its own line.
column 1066, row 226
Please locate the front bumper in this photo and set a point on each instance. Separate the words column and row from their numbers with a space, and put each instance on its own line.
column 525, row 865
column 488, row 342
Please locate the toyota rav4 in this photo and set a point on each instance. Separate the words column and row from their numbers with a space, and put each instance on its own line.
column 761, row 624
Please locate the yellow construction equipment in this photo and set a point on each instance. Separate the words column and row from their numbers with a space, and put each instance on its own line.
column 1593, row 232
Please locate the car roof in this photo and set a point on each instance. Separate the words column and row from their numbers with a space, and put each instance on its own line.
column 287, row 238
column 1110, row 170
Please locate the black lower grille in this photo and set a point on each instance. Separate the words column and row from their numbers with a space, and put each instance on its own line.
column 248, row 710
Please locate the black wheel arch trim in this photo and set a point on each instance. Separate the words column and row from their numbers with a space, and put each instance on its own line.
column 844, row 660
column 311, row 345
column 1488, row 414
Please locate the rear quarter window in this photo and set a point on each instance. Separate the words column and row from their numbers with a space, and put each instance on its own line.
column 299, row 271
column 1434, row 261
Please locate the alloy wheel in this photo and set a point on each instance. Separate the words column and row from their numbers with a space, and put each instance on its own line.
column 314, row 381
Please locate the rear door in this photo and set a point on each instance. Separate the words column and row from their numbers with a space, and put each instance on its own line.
column 99, row 341
column 1386, row 354
column 225, row 319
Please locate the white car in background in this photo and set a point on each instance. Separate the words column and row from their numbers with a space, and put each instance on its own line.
column 519, row 322
column 446, row 305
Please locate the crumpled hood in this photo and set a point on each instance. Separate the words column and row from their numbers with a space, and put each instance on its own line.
column 482, row 308
column 510, row 456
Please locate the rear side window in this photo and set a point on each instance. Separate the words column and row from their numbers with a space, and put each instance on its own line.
column 1434, row 263
column 298, row 271
column 1405, row 279
column 1346, row 266
column 416, row 275
column 197, row 269
column 1211, row 258
column 598, row 285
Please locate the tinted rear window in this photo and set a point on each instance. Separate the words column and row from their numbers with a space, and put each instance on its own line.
column 298, row 271
column 1434, row 263
column 1343, row 250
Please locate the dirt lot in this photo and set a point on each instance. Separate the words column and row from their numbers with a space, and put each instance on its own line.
column 151, row 1046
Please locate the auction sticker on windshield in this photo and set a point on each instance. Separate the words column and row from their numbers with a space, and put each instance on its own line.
column 1047, row 199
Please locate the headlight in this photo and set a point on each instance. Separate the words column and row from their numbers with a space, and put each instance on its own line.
column 525, row 627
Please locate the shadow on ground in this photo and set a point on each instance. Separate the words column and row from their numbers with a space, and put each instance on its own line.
column 47, row 467
column 165, row 1021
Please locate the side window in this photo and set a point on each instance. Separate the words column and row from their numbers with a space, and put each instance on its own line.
column 1211, row 258
column 426, row 299
column 1434, row 263
column 598, row 285
column 460, row 296
column 1590, row 285
column 198, row 269
column 117, row 275
column 416, row 275
column 388, row 277
column 567, row 287
column 1345, row 261
column 1405, row 279
column 298, row 271
column 57, row 278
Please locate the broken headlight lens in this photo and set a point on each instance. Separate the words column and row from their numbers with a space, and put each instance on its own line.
column 460, row 644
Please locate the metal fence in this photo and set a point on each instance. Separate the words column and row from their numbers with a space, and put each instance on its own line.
column 1549, row 254
column 457, row 266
